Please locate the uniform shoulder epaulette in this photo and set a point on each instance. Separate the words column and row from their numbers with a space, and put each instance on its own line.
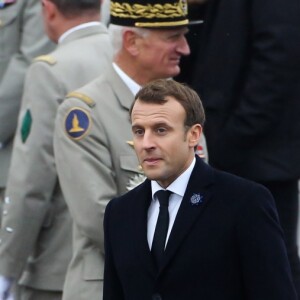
column 89, row 101
column 46, row 58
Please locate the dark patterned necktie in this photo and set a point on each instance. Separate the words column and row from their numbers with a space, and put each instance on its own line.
column 162, row 225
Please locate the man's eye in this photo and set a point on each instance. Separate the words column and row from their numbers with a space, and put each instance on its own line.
column 138, row 132
column 161, row 130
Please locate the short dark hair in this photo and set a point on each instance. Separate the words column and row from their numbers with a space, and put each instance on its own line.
column 71, row 8
column 157, row 91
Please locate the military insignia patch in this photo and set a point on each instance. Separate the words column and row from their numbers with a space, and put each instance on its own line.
column 77, row 123
column 26, row 125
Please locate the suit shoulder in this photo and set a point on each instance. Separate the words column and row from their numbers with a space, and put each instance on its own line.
column 245, row 199
column 230, row 177
column 237, row 184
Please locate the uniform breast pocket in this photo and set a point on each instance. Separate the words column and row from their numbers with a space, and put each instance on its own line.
column 10, row 29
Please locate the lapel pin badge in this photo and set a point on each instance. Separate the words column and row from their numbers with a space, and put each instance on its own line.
column 196, row 199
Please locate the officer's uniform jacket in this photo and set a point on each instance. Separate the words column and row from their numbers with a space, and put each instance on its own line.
column 93, row 167
column 36, row 220
column 22, row 38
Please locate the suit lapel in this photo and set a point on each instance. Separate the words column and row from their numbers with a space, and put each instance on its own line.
column 195, row 199
column 140, row 218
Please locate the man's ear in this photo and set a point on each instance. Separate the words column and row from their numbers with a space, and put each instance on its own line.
column 130, row 42
column 194, row 135
column 49, row 9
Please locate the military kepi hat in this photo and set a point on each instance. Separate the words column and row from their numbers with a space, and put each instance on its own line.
column 149, row 13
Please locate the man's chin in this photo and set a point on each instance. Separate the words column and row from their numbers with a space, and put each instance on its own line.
column 151, row 176
column 172, row 72
column 175, row 72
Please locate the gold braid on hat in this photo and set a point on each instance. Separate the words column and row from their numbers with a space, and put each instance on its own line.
column 149, row 11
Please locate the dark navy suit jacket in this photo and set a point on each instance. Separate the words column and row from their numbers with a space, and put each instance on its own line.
column 227, row 246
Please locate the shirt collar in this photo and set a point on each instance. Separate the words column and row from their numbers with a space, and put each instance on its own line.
column 130, row 83
column 81, row 26
column 178, row 186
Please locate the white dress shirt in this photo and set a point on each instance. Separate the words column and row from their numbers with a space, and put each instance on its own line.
column 177, row 187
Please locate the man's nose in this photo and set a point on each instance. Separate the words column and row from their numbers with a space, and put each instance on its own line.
column 183, row 47
column 148, row 141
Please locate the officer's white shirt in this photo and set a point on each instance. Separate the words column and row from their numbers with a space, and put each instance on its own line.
column 130, row 83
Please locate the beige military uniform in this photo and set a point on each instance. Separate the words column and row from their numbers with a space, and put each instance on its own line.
column 36, row 221
column 22, row 38
column 94, row 165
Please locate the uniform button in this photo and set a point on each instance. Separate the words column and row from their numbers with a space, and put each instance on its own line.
column 7, row 200
column 4, row 212
column 156, row 297
column 9, row 229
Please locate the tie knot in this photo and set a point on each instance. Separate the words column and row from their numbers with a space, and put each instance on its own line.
column 163, row 197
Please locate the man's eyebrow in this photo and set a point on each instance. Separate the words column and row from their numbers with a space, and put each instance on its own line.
column 161, row 124
column 135, row 126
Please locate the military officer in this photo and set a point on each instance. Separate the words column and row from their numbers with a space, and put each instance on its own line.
column 21, row 39
column 36, row 225
column 92, row 141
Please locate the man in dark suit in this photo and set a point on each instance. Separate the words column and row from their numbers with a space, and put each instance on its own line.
column 248, row 77
column 223, row 239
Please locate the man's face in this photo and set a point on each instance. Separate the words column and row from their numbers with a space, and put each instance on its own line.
column 161, row 50
column 164, row 147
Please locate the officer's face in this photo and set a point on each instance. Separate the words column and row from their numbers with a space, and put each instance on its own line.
column 160, row 52
column 165, row 148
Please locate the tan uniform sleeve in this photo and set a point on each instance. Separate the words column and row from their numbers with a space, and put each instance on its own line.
column 32, row 177
column 85, row 170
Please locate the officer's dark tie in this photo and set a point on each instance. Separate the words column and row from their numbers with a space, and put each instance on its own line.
column 162, row 225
